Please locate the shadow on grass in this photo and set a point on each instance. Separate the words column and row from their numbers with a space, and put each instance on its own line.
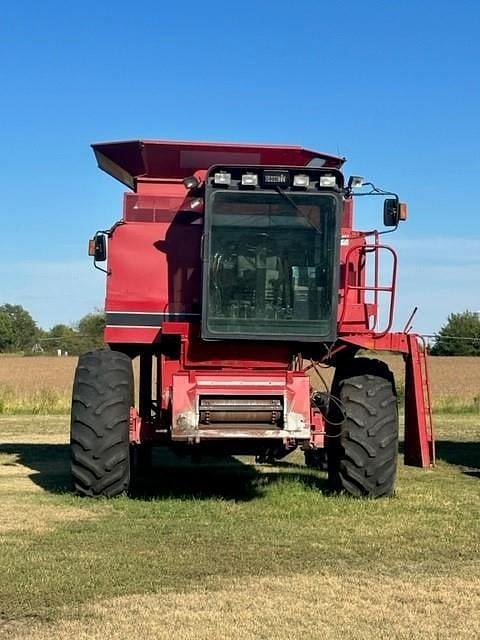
column 465, row 454
column 224, row 478
column 169, row 477
column 50, row 463
column 462, row 454
column 473, row 474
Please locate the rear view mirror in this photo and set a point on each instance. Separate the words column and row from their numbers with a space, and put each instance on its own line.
column 97, row 248
column 391, row 212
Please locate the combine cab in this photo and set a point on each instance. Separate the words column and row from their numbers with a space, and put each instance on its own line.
column 233, row 272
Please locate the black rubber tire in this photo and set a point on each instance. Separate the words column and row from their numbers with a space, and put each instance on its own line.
column 99, row 437
column 362, row 454
column 316, row 459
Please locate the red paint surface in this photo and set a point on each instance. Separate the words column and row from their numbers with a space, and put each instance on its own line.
column 176, row 159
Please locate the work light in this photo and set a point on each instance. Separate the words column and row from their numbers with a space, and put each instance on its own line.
column 249, row 180
column 191, row 182
column 355, row 182
column 328, row 181
column 301, row 180
column 222, row 177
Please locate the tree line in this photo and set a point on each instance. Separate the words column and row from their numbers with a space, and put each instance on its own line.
column 19, row 333
column 459, row 336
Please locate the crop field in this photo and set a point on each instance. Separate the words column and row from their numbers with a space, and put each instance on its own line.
column 228, row 549
column 42, row 385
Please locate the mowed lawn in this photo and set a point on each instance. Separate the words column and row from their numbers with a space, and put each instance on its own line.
column 232, row 550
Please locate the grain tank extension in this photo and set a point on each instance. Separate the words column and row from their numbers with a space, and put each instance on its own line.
column 234, row 276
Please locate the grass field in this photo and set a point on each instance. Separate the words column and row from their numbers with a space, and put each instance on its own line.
column 43, row 385
column 233, row 550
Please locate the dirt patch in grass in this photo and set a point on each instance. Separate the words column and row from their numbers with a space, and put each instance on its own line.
column 35, row 516
column 356, row 606
column 34, row 429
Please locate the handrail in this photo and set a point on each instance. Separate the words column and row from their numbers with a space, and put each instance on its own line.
column 375, row 287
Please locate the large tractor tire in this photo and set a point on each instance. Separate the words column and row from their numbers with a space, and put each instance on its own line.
column 363, row 429
column 99, row 438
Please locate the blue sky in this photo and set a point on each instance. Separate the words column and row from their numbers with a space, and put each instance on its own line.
column 394, row 86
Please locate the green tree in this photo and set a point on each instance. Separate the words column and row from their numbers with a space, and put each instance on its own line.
column 63, row 337
column 7, row 332
column 75, row 340
column 459, row 325
column 18, row 330
column 91, row 328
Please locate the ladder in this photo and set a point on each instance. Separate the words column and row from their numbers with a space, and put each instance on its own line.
column 419, row 433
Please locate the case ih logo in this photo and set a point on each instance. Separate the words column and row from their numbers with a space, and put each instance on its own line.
column 281, row 178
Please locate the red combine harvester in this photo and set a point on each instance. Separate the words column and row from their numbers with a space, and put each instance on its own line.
column 233, row 273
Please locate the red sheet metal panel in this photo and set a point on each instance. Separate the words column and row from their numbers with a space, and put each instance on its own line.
column 189, row 386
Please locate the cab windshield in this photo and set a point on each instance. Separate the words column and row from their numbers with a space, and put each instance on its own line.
column 269, row 264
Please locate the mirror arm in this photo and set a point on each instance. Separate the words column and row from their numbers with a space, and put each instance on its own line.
column 374, row 191
column 108, row 233
column 107, row 271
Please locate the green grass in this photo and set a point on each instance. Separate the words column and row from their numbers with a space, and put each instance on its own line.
column 450, row 405
column 195, row 525
column 39, row 402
